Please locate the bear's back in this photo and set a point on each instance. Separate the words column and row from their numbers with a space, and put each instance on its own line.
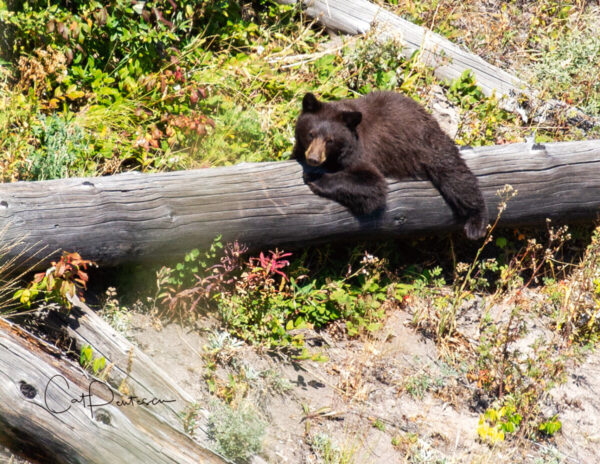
column 396, row 133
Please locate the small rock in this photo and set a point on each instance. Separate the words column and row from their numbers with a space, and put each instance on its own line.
column 443, row 111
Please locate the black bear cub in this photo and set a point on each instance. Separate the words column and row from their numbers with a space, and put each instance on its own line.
column 356, row 142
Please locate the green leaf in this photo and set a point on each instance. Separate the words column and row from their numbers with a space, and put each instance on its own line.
column 99, row 364
column 508, row 427
column 86, row 355
column 74, row 95
column 319, row 357
column 299, row 323
column 551, row 427
column 374, row 326
column 501, row 242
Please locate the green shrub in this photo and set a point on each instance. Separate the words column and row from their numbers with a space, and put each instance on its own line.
column 237, row 432
column 63, row 149
column 568, row 68
column 134, row 76
column 263, row 299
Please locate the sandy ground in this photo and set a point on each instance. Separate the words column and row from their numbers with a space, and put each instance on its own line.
column 392, row 388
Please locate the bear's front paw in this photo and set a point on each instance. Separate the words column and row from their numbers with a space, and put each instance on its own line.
column 367, row 205
column 311, row 176
column 314, row 187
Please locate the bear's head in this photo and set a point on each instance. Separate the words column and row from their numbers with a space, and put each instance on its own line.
column 325, row 133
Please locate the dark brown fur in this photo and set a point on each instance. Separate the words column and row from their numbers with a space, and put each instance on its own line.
column 357, row 142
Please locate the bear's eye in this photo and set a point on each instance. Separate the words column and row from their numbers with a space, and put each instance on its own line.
column 311, row 135
column 329, row 140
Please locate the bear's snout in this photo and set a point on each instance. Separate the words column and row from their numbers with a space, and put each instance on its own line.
column 316, row 153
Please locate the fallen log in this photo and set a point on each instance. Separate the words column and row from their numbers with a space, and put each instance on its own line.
column 448, row 59
column 52, row 412
column 130, row 367
column 141, row 217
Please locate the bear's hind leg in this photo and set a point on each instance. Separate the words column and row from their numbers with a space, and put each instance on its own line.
column 360, row 188
column 459, row 187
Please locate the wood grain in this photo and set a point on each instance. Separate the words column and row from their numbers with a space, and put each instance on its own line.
column 37, row 385
column 140, row 217
column 129, row 364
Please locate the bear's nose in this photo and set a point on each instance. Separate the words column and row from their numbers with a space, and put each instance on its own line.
column 315, row 154
column 313, row 161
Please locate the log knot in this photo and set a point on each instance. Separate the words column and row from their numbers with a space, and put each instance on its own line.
column 103, row 416
column 27, row 390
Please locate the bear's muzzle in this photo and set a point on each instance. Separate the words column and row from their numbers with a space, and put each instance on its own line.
column 316, row 153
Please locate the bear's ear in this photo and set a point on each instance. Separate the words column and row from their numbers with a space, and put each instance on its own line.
column 351, row 119
column 310, row 104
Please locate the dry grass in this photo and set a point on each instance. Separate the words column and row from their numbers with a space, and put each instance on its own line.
column 552, row 45
column 16, row 261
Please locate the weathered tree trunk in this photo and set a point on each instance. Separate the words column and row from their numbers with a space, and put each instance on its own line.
column 130, row 366
column 448, row 59
column 133, row 217
column 52, row 412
